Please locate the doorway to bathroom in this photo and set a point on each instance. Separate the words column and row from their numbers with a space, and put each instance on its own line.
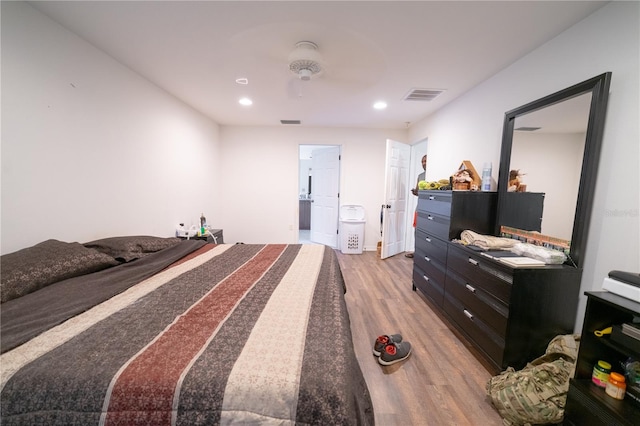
column 318, row 194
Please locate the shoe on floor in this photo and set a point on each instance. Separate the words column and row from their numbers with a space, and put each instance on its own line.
column 383, row 341
column 395, row 352
column 409, row 255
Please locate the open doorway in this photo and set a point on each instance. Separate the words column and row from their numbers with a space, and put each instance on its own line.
column 318, row 191
column 417, row 151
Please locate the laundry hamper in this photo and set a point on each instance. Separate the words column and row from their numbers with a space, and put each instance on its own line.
column 351, row 229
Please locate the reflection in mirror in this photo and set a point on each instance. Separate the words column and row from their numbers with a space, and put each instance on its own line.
column 548, row 146
column 559, row 160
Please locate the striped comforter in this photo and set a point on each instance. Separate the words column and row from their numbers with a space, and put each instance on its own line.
column 231, row 334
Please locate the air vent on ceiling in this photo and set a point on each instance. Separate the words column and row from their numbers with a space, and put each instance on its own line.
column 527, row 129
column 423, row 94
column 289, row 121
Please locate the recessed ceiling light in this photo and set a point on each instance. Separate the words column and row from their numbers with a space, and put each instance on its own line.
column 245, row 101
column 380, row 105
column 242, row 80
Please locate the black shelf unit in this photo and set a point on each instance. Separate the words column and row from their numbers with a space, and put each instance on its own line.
column 588, row 404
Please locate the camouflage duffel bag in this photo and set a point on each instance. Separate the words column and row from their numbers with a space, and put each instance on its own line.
column 537, row 393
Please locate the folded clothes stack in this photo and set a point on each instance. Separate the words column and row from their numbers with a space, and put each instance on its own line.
column 486, row 242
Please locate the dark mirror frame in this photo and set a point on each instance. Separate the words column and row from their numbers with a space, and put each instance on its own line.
column 599, row 88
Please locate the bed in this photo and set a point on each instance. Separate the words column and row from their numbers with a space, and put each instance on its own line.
column 165, row 331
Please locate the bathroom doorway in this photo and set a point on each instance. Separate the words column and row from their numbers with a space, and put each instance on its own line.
column 318, row 194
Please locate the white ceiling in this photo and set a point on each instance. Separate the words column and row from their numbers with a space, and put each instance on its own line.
column 373, row 50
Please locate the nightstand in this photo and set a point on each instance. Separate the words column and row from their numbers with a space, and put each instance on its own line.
column 217, row 233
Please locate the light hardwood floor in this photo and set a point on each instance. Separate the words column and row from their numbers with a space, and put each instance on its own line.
column 442, row 382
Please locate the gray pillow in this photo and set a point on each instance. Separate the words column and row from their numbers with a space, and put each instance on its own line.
column 128, row 248
column 32, row 268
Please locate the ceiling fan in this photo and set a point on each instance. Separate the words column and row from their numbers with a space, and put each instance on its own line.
column 305, row 61
column 343, row 73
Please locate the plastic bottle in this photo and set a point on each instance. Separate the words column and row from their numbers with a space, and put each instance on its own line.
column 203, row 224
column 600, row 374
column 486, row 177
column 616, row 386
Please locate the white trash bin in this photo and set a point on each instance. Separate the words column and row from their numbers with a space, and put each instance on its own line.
column 351, row 229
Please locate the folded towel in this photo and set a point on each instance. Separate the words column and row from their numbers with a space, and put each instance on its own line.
column 486, row 242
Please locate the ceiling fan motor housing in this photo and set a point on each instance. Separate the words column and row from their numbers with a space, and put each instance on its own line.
column 305, row 61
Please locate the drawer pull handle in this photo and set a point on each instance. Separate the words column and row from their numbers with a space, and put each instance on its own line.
column 427, row 239
column 470, row 288
column 468, row 314
column 430, row 217
column 473, row 261
column 431, row 197
column 427, row 259
column 426, row 278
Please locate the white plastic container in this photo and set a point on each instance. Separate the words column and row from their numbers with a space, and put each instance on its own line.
column 351, row 229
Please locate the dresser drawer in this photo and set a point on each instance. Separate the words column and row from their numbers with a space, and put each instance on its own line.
column 431, row 267
column 430, row 246
column 437, row 202
column 485, row 338
column 430, row 286
column 434, row 224
column 489, row 309
column 483, row 273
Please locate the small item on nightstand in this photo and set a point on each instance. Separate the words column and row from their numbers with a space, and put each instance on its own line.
column 600, row 374
column 203, row 225
column 616, row 386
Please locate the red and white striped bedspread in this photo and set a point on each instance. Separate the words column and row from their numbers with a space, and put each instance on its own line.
column 233, row 334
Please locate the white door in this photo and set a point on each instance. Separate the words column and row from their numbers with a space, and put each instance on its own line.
column 397, row 187
column 417, row 151
column 325, row 190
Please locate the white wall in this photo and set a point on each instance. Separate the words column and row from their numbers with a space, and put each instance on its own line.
column 471, row 127
column 262, row 206
column 89, row 148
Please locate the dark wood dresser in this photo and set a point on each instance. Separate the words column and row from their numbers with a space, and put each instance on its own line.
column 442, row 216
column 508, row 314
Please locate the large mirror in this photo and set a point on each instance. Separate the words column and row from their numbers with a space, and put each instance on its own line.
column 554, row 143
